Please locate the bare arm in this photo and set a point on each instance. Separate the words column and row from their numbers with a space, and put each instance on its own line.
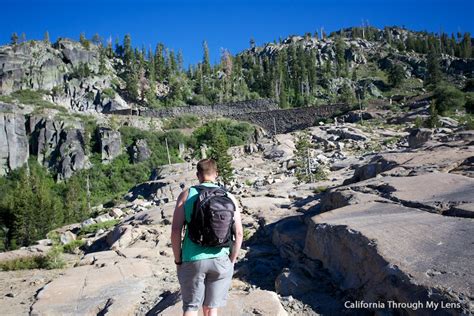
column 239, row 233
column 177, row 225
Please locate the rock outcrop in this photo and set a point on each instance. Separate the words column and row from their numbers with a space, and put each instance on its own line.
column 140, row 151
column 110, row 144
column 14, row 147
column 380, row 251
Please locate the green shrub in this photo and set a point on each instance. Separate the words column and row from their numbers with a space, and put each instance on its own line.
column 32, row 97
column 73, row 245
column 418, row 122
column 247, row 234
column 108, row 93
column 91, row 229
column 469, row 106
column 433, row 119
column 448, row 97
column 237, row 133
column 320, row 189
column 52, row 260
column 183, row 121
column 24, row 263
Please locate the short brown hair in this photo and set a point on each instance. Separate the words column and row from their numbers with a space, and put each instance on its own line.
column 207, row 166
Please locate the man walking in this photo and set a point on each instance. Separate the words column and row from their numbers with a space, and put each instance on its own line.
column 205, row 262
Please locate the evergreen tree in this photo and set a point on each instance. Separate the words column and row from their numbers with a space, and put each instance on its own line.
column 466, row 46
column 180, row 60
column 434, row 75
column 14, row 38
column 128, row 51
column 346, row 95
column 354, row 74
column 96, row 39
column 340, row 56
column 219, row 146
column 102, row 62
column 82, row 39
column 46, row 38
column 109, row 50
column 305, row 170
column 160, row 62
column 396, row 75
column 206, row 63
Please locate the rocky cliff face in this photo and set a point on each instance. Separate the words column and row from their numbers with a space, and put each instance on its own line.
column 13, row 142
column 58, row 69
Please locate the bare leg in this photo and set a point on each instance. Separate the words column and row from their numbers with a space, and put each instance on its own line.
column 209, row 311
column 190, row 313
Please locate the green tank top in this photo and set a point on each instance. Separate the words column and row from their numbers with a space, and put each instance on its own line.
column 190, row 250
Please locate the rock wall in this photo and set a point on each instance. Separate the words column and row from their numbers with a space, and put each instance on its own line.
column 288, row 120
column 263, row 112
column 13, row 142
column 227, row 109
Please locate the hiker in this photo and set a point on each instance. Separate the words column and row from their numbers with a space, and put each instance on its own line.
column 206, row 255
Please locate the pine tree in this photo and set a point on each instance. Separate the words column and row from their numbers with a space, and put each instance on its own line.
column 305, row 170
column 206, row 63
column 180, row 60
column 96, row 39
column 82, row 39
column 396, row 75
column 46, row 38
column 219, row 146
column 346, row 95
column 466, row 46
column 14, row 38
column 340, row 56
column 127, row 50
column 434, row 75
column 102, row 62
column 160, row 62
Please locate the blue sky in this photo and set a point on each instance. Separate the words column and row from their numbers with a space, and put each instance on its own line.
column 224, row 24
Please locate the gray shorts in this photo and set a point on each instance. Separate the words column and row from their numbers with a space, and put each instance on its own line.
column 205, row 282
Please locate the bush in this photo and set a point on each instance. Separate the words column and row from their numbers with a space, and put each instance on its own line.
column 73, row 245
column 396, row 75
column 108, row 93
column 32, row 97
column 52, row 260
column 24, row 263
column 91, row 229
column 237, row 133
column 320, row 189
column 183, row 121
column 447, row 98
column 469, row 106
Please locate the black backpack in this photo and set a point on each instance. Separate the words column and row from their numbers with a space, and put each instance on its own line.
column 212, row 219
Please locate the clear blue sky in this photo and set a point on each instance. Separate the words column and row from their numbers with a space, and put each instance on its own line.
column 224, row 24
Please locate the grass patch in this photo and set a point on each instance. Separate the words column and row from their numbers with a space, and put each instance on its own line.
column 91, row 229
column 248, row 182
column 320, row 189
column 246, row 234
column 31, row 97
column 52, row 260
column 390, row 140
column 24, row 263
column 183, row 121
